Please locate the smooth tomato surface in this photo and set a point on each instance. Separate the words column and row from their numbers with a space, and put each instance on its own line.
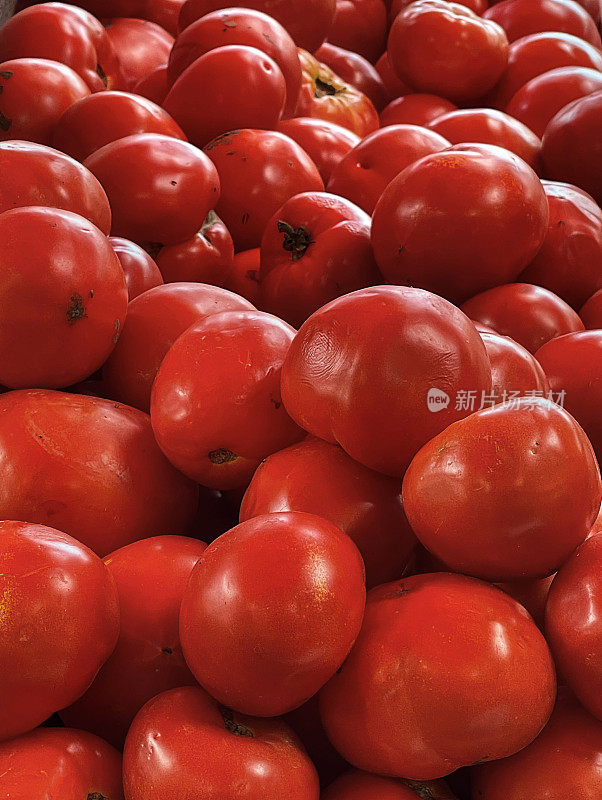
column 326, row 143
column 141, row 272
column 140, row 45
column 521, row 17
column 514, row 371
column 360, row 26
column 415, row 109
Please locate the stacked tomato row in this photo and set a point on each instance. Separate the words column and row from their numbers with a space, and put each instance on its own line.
column 301, row 367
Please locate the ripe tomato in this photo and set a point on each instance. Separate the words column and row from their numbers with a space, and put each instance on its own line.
column 507, row 493
column 153, row 85
column 161, row 12
column 514, row 371
column 521, row 17
column 532, row 595
column 215, row 405
column 244, row 276
column 150, row 576
column 394, row 86
column 89, row 466
column 460, row 221
column 324, row 142
column 60, row 622
column 230, row 756
column 478, row 6
column 160, row 189
column 378, row 370
column 413, row 663
column 356, row 70
column 591, row 312
column 141, row 46
column 365, row 172
column 415, row 109
column 528, row 314
column 355, row 785
column 259, row 171
column 360, row 26
column 141, row 272
column 56, row 761
column 316, row 247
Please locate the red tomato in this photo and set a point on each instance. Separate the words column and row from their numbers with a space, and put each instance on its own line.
column 151, row 576
column 394, row 86
column 89, row 466
column 141, row 272
column 563, row 762
column 460, row 221
column 65, row 286
column 514, row 371
column 360, row 26
column 238, row 26
column 162, row 12
column 306, row 723
column 320, row 478
column 230, row 756
column 60, row 621
column 375, row 371
column 528, row 314
column 424, row 50
column 255, row 102
column 244, row 275
column 488, row 126
column 316, row 247
column 325, row 96
column 141, row 46
column 507, row 493
column 488, row 682
column 415, row 109
column 355, row 785
column 259, row 171
column 103, row 118
column 153, row 85
column 591, row 312
column 205, row 258
column 532, row 594
column 160, row 189
column 365, row 172
column 33, row 174
column 521, row 17
column 569, row 260
column 64, row 763
column 155, row 319
column 325, row 142
column 478, row 6
column 356, row 70
column 215, row 406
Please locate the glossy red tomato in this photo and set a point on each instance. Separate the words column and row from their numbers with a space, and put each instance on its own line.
column 394, row 86
column 141, row 272
column 155, row 319
column 325, row 142
column 320, row 478
column 356, row 785
column 522, row 17
column 563, row 762
column 365, row 172
column 360, row 26
column 65, row 763
column 259, row 171
column 238, row 26
column 356, row 70
column 415, row 109
column 162, row 12
column 478, row 6
column 60, row 621
column 378, row 371
column 528, row 314
column 90, row 467
column 244, row 276
column 532, row 595
column 424, row 50
column 460, row 221
column 230, row 756
column 160, row 189
column 151, row 576
column 215, row 405
column 514, row 371
column 507, row 493
column 33, row 174
column 153, row 85
column 316, row 247
column 489, row 683
column 591, row 312
column 141, row 46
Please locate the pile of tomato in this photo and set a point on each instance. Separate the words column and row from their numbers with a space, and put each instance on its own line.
column 301, row 400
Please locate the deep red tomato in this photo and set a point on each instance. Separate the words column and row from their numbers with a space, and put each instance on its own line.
column 415, row 109
column 568, row 262
column 424, row 50
column 259, row 171
column 378, row 370
column 460, row 221
column 563, row 762
column 320, row 478
column 153, row 85
column 205, row 258
column 255, row 102
column 244, row 276
column 360, row 26
column 306, row 723
column 356, row 70
column 521, row 17
column 162, row 12
column 571, row 149
column 488, row 126
column 155, row 319
column 489, row 683
column 365, row 172
column 507, row 493
column 514, row 371
column 151, row 576
column 33, row 174
column 316, row 247
column 141, row 46
column 325, row 142
column 532, row 594
column 215, row 404
column 160, row 189
column 528, row 314
column 61, row 282
column 60, row 622
column 63, row 33
column 324, row 95
column 308, row 21
column 230, row 756
column 56, row 761
column 394, row 86
column 141, row 272
column 89, row 466
column 240, row 27
column 591, row 312
column 355, row 785
column 103, row 118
